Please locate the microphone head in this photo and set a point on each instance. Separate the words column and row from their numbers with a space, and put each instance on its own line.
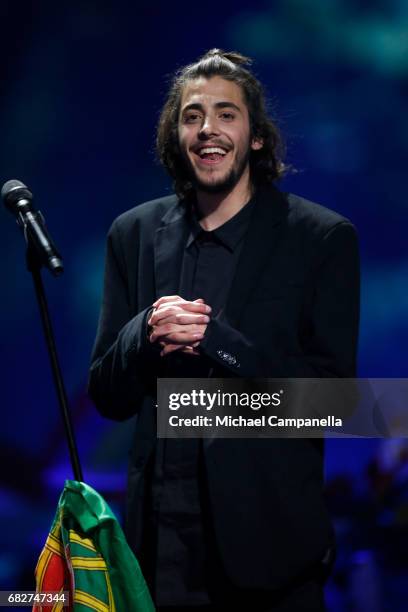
column 13, row 192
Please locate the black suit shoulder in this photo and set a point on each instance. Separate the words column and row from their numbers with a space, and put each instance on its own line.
column 313, row 218
column 147, row 214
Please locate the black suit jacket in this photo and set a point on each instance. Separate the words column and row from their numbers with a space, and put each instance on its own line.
column 292, row 311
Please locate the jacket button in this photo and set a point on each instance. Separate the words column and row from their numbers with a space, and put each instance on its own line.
column 230, row 359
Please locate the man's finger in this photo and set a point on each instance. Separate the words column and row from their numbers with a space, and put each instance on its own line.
column 184, row 338
column 181, row 318
column 172, row 308
column 171, row 348
column 174, row 328
column 195, row 306
column 189, row 319
column 173, row 298
column 166, row 298
column 178, row 338
column 163, row 343
column 177, row 334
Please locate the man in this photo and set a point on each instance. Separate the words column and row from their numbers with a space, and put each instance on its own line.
column 229, row 278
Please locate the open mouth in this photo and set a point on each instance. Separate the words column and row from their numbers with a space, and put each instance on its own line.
column 211, row 154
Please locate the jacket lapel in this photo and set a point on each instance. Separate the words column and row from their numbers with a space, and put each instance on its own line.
column 270, row 211
column 169, row 243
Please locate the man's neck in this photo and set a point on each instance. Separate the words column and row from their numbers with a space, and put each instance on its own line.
column 215, row 209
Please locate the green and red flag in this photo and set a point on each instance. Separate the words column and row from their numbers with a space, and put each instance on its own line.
column 86, row 555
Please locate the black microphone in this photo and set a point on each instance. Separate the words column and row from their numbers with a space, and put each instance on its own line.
column 18, row 199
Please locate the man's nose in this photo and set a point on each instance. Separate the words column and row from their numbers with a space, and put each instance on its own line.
column 208, row 128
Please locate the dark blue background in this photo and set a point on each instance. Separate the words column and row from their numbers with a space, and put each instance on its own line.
column 81, row 89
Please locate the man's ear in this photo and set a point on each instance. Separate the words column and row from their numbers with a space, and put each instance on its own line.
column 256, row 144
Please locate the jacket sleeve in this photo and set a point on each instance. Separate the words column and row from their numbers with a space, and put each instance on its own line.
column 331, row 344
column 123, row 361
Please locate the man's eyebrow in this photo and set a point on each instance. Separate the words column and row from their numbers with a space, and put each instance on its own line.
column 198, row 106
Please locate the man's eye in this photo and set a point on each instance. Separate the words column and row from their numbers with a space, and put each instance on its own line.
column 227, row 116
column 192, row 118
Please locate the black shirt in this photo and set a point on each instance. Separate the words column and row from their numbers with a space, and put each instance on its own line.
column 210, row 259
column 178, row 566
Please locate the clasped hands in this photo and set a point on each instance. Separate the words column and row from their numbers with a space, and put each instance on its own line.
column 178, row 325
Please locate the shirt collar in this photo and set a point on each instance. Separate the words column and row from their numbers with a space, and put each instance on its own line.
column 230, row 233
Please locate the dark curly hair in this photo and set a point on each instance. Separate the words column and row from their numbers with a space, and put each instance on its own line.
column 266, row 164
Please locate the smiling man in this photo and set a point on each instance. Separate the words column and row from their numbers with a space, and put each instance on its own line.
column 227, row 278
column 215, row 136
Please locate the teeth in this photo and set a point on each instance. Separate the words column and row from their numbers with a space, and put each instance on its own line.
column 207, row 150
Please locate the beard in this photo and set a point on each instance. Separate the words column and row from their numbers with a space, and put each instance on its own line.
column 224, row 183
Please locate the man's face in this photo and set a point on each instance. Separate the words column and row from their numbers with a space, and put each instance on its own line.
column 214, row 134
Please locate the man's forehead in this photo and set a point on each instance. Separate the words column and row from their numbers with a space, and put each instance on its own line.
column 214, row 89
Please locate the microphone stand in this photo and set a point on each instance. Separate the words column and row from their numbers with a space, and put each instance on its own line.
column 34, row 265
